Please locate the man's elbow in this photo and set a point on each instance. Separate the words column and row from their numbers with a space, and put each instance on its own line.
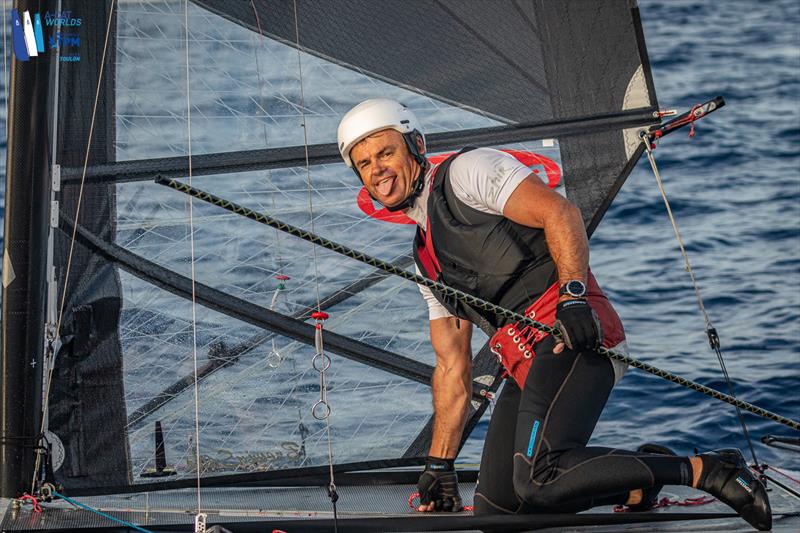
column 566, row 216
column 570, row 210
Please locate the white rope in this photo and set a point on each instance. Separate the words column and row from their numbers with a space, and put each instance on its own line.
column 319, row 346
column 686, row 265
column 711, row 332
column 274, row 358
column 199, row 517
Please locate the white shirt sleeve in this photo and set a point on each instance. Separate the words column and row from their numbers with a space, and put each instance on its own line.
column 435, row 309
column 485, row 178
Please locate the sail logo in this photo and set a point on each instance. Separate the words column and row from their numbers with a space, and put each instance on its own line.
column 28, row 35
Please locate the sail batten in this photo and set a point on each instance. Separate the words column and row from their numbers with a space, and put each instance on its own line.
column 273, row 158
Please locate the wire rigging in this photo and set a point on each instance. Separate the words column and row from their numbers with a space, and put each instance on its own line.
column 200, row 517
column 321, row 361
column 711, row 331
column 274, row 358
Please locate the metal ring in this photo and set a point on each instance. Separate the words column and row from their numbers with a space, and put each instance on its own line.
column 521, row 347
column 532, row 314
column 527, row 354
column 321, row 362
column 510, row 331
column 321, row 410
column 274, row 359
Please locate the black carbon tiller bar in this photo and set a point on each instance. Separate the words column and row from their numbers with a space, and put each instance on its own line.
column 689, row 118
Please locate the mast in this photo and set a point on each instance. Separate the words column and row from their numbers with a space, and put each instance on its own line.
column 27, row 213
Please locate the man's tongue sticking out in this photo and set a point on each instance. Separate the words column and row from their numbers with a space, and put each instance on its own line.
column 385, row 186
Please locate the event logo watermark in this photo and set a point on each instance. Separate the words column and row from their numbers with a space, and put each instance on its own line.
column 28, row 35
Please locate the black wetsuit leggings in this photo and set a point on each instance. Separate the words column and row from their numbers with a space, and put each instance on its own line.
column 535, row 457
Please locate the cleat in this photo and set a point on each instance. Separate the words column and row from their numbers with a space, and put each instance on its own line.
column 727, row 477
column 650, row 495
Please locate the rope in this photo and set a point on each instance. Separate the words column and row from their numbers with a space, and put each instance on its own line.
column 461, row 296
column 101, row 513
column 274, row 358
column 784, row 474
column 319, row 316
column 711, row 332
column 196, row 387
column 666, row 502
column 786, row 488
column 35, row 502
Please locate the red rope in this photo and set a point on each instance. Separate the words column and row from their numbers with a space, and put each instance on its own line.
column 36, row 507
column 783, row 474
column 666, row 502
column 692, row 118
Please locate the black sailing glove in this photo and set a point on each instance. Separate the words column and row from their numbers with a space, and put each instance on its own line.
column 580, row 329
column 439, row 484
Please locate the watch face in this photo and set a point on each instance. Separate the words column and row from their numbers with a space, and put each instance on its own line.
column 576, row 288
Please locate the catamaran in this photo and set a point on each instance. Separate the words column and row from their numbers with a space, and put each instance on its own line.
column 208, row 323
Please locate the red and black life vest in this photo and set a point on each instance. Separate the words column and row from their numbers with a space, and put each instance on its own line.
column 498, row 260
column 488, row 256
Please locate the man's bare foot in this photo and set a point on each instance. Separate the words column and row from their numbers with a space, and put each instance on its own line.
column 635, row 497
column 697, row 469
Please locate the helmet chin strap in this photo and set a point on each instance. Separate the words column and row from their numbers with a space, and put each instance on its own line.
column 416, row 190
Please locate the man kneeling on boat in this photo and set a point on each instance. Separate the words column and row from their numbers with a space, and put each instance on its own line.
column 491, row 228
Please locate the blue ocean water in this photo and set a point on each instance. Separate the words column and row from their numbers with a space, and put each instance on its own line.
column 735, row 190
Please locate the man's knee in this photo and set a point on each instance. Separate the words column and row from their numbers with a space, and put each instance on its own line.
column 533, row 489
column 484, row 504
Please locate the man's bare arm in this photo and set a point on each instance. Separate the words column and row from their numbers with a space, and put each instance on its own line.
column 452, row 384
column 535, row 205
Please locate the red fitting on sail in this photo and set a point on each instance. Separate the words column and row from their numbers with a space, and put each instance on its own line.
column 694, row 116
column 282, row 277
column 319, row 315
column 697, row 112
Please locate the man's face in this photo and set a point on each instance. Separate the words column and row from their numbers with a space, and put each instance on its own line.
column 386, row 166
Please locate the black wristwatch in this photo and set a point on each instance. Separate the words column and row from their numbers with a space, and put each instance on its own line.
column 575, row 288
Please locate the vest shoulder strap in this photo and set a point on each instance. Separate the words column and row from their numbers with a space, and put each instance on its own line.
column 462, row 212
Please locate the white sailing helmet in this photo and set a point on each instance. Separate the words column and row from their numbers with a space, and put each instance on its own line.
column 374, row 115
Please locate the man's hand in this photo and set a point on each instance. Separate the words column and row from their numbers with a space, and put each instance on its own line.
column 579, row 326
column 438, row 486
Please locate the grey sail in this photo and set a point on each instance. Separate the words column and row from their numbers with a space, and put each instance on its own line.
column 565, row 85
